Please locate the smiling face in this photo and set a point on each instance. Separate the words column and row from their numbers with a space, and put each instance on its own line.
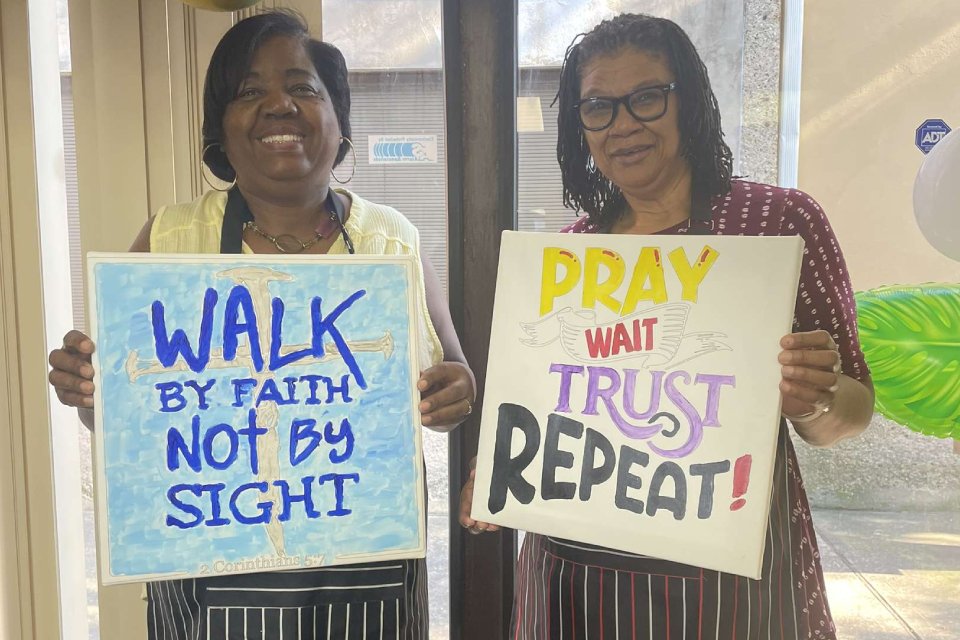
column 281, row 130
column 642, row 158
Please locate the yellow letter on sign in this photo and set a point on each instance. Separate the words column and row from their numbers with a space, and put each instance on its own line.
column 595, row 291
column 550, row 287
column 649, row 268
column 691, row 275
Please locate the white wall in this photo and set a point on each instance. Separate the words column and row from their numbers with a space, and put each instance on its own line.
column 873, row 70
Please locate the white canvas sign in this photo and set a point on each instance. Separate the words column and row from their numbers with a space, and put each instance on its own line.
column 632, row 396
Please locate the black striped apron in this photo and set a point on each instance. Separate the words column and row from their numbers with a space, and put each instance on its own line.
column 376, row 601
column 573, row 591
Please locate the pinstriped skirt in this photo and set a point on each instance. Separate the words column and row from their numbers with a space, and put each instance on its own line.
column 572, row 591
column 376, row 601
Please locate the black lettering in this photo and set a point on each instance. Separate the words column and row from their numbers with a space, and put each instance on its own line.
column 626, row 480
column 554, row 458
column 591, row 474
column 676, row 504
column 709, row 471
column 507, row 471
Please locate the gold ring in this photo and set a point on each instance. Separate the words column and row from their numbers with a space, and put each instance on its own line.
column 472, row 529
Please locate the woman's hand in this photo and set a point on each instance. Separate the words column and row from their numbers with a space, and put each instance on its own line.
column 810, row 366
column 447, row 393
column 466, row 504
column 72, row 374
column 824, row 405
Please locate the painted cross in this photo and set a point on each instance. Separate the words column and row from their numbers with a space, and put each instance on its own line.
column 257, row 281
column 255, row 413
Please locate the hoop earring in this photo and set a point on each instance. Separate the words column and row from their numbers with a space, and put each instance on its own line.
column 203, row 174
column 353, row 171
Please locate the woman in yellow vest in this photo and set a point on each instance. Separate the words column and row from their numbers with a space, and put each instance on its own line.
column 276, row 124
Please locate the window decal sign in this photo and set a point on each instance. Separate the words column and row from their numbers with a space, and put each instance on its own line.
column 930, row 133
column 402, row 149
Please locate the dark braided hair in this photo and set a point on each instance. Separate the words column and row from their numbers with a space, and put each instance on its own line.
column 701, row 137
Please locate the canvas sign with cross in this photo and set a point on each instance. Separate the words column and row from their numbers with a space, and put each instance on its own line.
column 254, row 413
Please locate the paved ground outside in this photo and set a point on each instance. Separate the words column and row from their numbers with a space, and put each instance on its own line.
column 892, row 576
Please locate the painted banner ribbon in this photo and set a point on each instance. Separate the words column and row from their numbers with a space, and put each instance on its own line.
column 651, row 338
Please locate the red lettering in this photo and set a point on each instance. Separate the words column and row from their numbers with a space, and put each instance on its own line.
column 648, row 325
column 603, row 342
column 621, row 340
column 598, row 342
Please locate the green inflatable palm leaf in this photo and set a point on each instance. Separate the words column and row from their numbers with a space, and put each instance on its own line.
column 911, row 339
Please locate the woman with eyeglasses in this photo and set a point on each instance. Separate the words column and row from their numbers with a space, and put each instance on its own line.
column 276, row 125
column 641, row 152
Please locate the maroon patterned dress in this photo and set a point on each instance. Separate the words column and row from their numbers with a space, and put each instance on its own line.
column 570, row 590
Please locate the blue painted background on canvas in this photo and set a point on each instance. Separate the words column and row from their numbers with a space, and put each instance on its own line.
column 152, row 493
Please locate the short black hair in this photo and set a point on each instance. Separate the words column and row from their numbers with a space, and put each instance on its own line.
column 230, row 65
column 701, row 136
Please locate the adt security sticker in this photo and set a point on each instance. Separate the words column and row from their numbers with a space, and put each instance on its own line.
column 930, row 133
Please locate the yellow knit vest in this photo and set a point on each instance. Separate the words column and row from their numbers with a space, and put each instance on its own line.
column 194, row 227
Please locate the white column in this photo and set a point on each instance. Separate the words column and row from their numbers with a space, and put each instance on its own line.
column 58, row 307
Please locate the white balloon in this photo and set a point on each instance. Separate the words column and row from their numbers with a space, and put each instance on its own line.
column 936, row 196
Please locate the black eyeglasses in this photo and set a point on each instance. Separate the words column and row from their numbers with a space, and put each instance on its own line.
column 646, row 105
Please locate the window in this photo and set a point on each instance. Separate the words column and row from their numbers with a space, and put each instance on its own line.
column 547, row 28
column 394, row 52
column 831, row 129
